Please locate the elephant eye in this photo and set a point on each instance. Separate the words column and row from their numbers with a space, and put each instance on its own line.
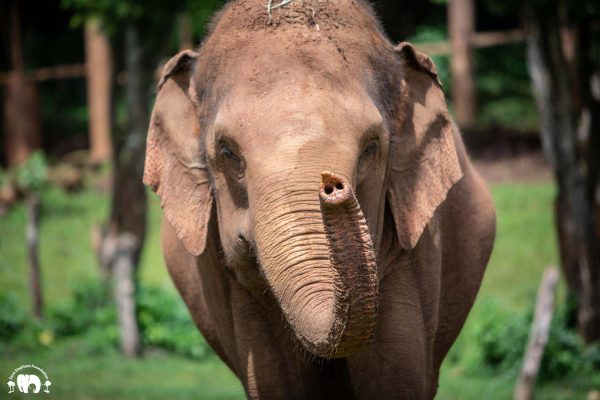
column 370, row 149
column 237, row 165
column 226, row 150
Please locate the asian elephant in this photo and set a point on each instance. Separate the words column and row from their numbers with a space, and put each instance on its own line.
column 323, row 222
column 25, row 381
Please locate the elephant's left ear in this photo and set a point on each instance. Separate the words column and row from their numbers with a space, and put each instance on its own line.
column 424, row 162
column 175, row 168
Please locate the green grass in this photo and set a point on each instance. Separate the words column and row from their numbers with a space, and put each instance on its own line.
column 66, row 244
column 76, row 375
column 66, row 254
column 525, row 245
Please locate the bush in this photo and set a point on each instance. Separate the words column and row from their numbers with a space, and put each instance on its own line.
column 501, row 335
column 166, row 323
column 90, row 314
column 89, row 306
column 565, row 352
column 12, row 317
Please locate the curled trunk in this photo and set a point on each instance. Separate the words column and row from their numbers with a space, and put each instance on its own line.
column 317, row 254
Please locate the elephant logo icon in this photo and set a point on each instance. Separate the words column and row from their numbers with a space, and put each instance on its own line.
column 28, row 381
column 25, row 382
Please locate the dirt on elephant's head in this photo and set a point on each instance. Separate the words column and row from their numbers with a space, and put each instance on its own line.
column 325, row 44
column 256, row 15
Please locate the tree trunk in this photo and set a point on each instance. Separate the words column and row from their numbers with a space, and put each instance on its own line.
column 572, row 155
column 124, row 276
column 22, row 124
column 99, row 84
column 35, row 280
column 124, row 238
column 461, row 27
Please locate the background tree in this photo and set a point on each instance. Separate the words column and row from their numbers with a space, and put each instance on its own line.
column 136, row 32
column 566, row 83
column 22, row 125
column 461, row 27
column 30, row 177
column 98, row 61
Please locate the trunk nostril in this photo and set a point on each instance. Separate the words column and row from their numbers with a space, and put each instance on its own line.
column 334, row 189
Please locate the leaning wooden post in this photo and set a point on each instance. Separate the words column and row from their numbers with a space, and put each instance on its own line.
column 538, row 337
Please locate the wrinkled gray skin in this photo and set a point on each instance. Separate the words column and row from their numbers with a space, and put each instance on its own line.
column 323, row 222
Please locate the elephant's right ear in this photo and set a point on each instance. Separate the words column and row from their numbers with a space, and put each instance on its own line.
column 424, row 161
column 175, row 168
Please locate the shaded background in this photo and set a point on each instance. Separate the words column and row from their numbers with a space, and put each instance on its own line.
column 77, row 79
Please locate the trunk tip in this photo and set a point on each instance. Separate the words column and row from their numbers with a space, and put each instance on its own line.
column 333, row 189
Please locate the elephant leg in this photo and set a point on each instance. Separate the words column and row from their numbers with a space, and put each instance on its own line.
column 22, row 383
column 35, row 381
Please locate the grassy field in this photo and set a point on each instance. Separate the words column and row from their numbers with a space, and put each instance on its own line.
column 525, row 245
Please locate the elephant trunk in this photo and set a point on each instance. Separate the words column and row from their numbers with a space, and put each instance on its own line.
column 318, row 258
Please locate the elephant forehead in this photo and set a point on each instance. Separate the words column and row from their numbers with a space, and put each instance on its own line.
column 295, row 110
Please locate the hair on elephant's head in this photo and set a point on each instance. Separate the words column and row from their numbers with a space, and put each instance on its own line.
column 308, row 130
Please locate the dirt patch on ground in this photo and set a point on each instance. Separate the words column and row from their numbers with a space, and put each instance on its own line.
column 504, row 157
column 529, row 167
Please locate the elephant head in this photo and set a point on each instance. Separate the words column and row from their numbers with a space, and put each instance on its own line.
column 25, row 381
column 309, row 152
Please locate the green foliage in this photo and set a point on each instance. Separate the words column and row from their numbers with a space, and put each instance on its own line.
column 90, row 314
column 113, row 12
column 501, row 336
column 166, row 324
column 200, row 12
column 31, row 174
column 565, row 353
column 90, row 305
column 4, row 177
column 64, row 110
column 156, row 13
column 12, row 317
column 503, row 89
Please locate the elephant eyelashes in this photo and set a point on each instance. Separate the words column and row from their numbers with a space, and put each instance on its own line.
column 370, row 149
column 226, row 151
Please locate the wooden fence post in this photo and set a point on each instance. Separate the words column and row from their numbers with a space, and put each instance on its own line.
column 99, row 86
column 461, row 27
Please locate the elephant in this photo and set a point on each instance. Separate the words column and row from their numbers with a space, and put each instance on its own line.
column 322, row 222
column 24, row 381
